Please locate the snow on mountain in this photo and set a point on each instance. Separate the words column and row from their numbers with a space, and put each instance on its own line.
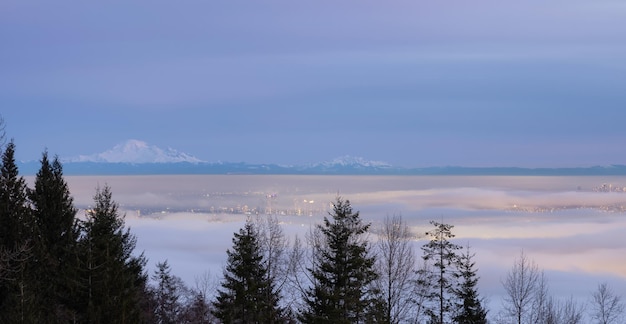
column 354, row 161
column 136, row 151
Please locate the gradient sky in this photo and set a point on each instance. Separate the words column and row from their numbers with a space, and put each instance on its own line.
column 413, row 83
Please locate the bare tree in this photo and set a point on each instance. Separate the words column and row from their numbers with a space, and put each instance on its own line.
column 607, row 305
column 274, row 248
column 273, row 245
column 571, row 312
column 2, row 132
column 396, row 267
column 543, row 306
column 297, row 280
column 12, row 259
column 545, row 309
column 521, row 286
column 197, row 309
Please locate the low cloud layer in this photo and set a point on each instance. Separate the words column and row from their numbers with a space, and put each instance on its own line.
column 560, row 222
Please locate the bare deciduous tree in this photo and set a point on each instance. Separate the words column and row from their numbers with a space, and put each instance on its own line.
column 571, row 312
column 396, row 266
column 298, row 279
column 198, row 306
column 543, row 306
column 2, row 132
column 607, row 306
column 521, row 286
column 273, row 245
column 12, row 259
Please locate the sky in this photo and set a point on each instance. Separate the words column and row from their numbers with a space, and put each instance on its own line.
column 413, row 83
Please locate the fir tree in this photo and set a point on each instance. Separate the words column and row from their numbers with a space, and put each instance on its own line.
column 246, row 295
column 113, row 278
column 18, row 291
column 342, row 271
column 470, row 308
column 16, row 226
column 55, row 215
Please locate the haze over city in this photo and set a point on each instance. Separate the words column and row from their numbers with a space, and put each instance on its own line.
column 412, row 83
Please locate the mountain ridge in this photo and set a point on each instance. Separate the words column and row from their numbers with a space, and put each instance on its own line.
column 226, row 168
column 135, row 157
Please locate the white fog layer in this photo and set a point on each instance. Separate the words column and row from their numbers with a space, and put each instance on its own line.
column 572, row 227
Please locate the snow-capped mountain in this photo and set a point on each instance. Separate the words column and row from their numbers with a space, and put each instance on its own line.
column 136, row 151
column 354, row 161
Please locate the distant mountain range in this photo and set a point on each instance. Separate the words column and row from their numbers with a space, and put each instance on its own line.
column 135, row 157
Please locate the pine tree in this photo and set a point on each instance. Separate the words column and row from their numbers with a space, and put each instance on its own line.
column 342, row 271
column 246, row 294
column 113, row 278
column 18, row 293
column 470, row 309
column 441, row 254
column 55, row 215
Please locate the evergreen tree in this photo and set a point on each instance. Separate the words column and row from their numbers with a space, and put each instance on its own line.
column 16, row 226
column 55, row 215
column 113, row 278
column 17, row 236
column 470, row 309
column 441, row 254
column 167, row 294
column 243, row 297
column 342, row 271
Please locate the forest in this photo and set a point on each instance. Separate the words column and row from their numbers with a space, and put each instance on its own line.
column 57, row 267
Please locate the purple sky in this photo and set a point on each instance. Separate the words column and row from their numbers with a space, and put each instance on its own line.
column 413, row 83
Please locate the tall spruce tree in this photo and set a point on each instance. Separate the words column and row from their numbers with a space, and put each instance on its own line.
column 247, row 295
column 18, row 291
column 342, row 271
column 470, row 308
column 441, row 254
column 55, row 215
column 113, row 278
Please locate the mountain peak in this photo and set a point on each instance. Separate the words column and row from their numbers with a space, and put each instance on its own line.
column 348, row 160
column 132, row 144
column 136, row 151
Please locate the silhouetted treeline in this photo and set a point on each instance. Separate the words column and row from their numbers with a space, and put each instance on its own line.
column 56, row 267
